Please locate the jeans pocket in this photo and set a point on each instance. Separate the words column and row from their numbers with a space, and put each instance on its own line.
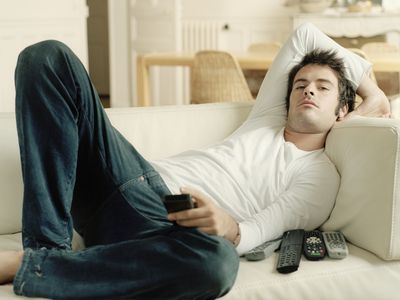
column 144, row 194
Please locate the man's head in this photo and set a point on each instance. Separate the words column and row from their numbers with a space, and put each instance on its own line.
column 318, row 92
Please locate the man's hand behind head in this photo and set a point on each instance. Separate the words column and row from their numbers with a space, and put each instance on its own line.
column 374, row 104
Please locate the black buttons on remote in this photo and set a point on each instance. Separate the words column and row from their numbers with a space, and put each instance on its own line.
column 314, row 246
column 290, row 252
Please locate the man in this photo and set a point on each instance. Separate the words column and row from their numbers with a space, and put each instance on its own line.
column 78, row 171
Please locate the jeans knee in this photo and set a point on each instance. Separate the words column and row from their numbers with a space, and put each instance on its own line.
column 42, row 68
column 42, row 50
column 40, row 55
column 220, row 269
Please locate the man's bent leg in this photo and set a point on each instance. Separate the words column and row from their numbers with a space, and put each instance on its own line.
column 174, row 263
column 72, row 158
column 56, row 109
column 66, row 142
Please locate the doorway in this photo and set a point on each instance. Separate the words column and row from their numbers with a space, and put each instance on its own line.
column 98, row 48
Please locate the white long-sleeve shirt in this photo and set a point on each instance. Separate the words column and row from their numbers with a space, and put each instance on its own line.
column 266, row 184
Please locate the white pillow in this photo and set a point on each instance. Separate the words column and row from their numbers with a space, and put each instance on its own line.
column 367, row 210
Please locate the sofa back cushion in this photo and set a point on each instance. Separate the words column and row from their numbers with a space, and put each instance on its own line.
column 155, row 131
column 166, row 130
column 367, row 209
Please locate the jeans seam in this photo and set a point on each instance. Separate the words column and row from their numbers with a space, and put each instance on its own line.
column 146, row 176
column 119, row 189
column 122, row 188
column 18, row 279
column 97, row 147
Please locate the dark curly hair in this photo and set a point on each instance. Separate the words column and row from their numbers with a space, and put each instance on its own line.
column 320, row 57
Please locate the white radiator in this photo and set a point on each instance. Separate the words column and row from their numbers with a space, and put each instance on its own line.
column 198, row 35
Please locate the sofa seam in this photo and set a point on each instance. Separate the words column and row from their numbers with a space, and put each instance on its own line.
column 394, row 203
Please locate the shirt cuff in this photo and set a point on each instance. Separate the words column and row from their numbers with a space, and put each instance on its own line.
column 245, row 239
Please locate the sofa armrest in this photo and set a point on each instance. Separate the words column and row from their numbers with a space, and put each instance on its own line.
column 394, row 101
column 367, row 210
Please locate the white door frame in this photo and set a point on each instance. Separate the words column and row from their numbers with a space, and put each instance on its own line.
column 122, row 62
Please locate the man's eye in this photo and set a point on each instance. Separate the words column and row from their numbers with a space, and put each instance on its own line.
column 324, row 88
column 299, row 87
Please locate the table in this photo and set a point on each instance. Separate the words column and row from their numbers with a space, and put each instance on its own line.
column 253, row 61
column 387, row 62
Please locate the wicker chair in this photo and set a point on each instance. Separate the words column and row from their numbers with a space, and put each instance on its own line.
column 267, row 47
column 217, row 77
column 388, row 81
column 379, row 48
column 364, row 55
column 371, row 75
column 255, row 78
column 376, row 48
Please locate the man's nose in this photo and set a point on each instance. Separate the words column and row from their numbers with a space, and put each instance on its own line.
column 308, row 91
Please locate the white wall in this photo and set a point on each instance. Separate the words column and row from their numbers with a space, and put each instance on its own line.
column 243, row 23
column 24, row 22
column 122, row 64
column 236, row 8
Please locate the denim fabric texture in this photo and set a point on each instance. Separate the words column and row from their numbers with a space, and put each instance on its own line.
column 80, row 172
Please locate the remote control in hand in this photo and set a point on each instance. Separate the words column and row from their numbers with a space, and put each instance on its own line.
column 314, row 247
column 174, row 203
column 263, row 251
column 335, row 244
column 290, row 252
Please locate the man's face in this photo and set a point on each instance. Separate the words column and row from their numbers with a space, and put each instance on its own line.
column 313, row 100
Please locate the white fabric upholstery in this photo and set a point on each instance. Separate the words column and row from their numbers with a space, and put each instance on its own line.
column 364, row 150
column 10, row 176
column 367, row 208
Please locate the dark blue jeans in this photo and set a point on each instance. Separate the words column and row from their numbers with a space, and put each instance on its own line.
column 79, row 172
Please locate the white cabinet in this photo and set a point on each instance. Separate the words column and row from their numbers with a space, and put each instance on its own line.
column 23, row 22
column 352, row 25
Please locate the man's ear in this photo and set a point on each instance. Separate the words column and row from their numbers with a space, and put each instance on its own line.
column 343, row 112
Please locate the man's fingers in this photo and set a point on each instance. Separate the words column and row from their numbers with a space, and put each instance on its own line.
column 199, row 223
column 197, row 196
column 193, row 213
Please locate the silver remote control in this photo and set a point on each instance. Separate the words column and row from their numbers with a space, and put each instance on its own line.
column 335, row 244
column 264, row 250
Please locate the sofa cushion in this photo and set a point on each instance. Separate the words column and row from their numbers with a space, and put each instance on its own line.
column 155, row 132
column 10, row 176
column 167, row 130
column 360, row 276
column 367, row 210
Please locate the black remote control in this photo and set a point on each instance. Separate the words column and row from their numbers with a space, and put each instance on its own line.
column 290, row 252
column 174, row 203
column 314, row 246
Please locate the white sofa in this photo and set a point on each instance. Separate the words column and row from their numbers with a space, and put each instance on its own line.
column 365, row 151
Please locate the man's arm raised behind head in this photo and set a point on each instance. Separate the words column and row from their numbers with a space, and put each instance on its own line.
column 374, row 104
column 307, row 37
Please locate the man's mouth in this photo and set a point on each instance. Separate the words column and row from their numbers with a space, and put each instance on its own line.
column 308, row 102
